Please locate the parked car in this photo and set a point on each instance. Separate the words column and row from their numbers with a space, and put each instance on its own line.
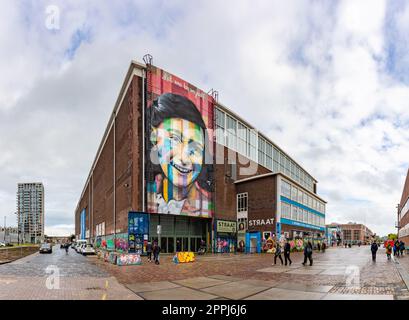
column 87, row 249
column 46, row 248
column 2, row 244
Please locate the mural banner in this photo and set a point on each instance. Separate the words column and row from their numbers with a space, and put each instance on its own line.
column 82, row 225
column 179, row 146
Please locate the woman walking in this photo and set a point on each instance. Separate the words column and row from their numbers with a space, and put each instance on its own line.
column 278, row 254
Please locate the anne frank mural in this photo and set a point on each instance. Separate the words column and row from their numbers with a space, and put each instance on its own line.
column 179, row 164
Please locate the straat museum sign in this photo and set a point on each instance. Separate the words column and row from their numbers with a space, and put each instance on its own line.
column 226, row 226
column 261, row 223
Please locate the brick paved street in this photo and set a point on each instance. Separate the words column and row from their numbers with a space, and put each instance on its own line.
column 326, row 279
column 27, row 278
column 210, row 277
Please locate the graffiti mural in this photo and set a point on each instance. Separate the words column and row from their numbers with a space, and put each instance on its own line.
column 127, row 259
column 179, row 119
column 184, row 257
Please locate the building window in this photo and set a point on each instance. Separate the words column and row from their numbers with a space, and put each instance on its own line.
column 261, row 151
column 220, row 126
column 294, row 213
column 242, row 139
column 285, row 189
column 285, row 210
column 269, row 156
column 253, row 145
column 242, row 202
column 300, row 196
column 231, row 125
column 294, row 195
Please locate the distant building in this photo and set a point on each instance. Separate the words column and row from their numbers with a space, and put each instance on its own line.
column 403, row 214
column 354, row 233
column 30, row 212
column 334, row 234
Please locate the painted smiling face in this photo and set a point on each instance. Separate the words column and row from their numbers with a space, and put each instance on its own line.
column 180, row 145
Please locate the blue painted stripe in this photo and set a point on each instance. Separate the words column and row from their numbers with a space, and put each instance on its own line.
column 301, row 224
column 285, row 199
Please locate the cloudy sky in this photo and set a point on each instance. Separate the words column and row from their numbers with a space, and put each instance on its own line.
column 327, row 81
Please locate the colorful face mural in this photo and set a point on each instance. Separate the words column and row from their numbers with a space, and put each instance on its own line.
column 179, row 166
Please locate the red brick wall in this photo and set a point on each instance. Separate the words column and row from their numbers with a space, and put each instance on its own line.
column 128, row 179
column 225, row 191
column 262, row 200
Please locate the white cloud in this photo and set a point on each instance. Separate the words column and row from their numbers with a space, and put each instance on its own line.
column 315, row 73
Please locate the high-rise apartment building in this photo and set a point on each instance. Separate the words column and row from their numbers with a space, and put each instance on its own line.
column 30, row 212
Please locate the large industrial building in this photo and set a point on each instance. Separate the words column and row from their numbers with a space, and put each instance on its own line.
column 177, row 166
column 30, row 212
column 403, row 213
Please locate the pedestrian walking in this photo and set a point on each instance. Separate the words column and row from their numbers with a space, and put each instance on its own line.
column 395, row 246
column 308, row 253
column 324, row 246
column 374, row 249
column 156, row 252
column 402, row 248
column 149, row 251
column 319, row 246
column 287, row 251
column 388, row 251
column 277, row 254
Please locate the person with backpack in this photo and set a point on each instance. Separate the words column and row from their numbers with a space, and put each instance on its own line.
column 323, row 247
column 308, row 253
column 374, row 249
column 287, row 250
column 277, row 254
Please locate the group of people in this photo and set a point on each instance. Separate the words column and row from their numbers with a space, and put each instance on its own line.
column 398, row 249
column 308, row 248
column 153, row 249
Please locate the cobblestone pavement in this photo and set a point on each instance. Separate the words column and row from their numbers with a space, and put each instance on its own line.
column 339, row 273
column 69, row 277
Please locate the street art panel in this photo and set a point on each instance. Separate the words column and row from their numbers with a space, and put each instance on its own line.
column 179, row 152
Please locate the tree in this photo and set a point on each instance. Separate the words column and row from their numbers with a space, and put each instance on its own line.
column 392, row 236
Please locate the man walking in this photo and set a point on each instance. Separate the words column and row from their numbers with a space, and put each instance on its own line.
column 156, row 251
column 374, row 248
column 402, row 247
column 308, row 253
column 287, row 250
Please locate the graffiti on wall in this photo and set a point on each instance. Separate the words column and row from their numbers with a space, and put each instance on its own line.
column 184, row 257
column 179, row 120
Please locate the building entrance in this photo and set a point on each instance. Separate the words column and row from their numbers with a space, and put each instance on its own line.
column 179, row 233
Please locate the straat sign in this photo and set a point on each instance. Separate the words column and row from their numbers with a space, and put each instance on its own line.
column 261, row 222
column 226, row 226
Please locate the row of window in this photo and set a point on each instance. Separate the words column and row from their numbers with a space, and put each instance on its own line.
column 405, row 208
column 296, row 194
column 236, row 136
column 291, row 212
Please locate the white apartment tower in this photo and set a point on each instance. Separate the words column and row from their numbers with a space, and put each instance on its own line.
column 30, row 212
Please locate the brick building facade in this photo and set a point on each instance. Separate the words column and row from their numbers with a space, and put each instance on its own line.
column 276, row 197
column 403, row 213
column 355, row 233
